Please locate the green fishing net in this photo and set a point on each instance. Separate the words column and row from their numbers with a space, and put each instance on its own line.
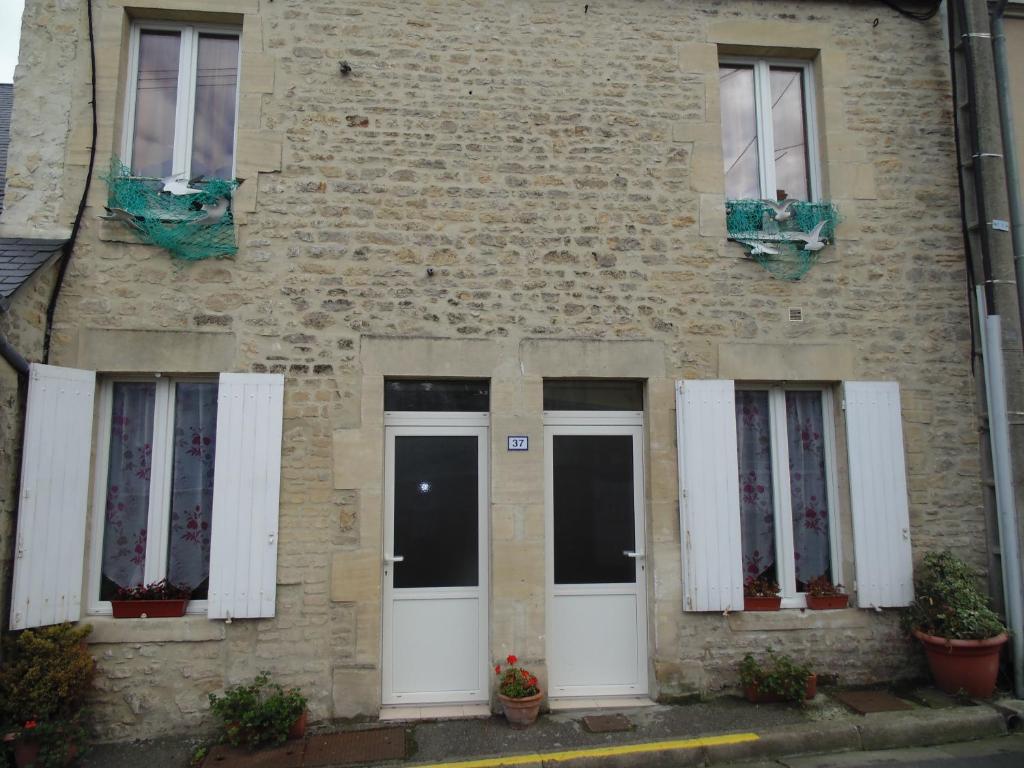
column 177, row 223
column 754, row 220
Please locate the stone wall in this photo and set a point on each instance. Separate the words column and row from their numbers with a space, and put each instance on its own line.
column 514, row 190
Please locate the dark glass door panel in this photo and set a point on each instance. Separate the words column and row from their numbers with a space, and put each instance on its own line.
column 436, row 511
column 593, row 514
column 471, row 395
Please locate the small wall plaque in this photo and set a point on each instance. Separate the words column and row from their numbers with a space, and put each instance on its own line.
column 518, row 443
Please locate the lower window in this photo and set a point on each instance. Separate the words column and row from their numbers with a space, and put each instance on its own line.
column 155, row 485
column 786, row 452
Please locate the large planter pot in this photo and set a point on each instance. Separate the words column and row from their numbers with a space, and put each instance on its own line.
column 298, row 729
column 968, row 666
column 757, row 696
column 761, row 603
column 148, row 609
column 827, row 602
column 520, row 713
column 26, row 753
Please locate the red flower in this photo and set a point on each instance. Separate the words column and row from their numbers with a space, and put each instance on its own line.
column 497, row 669
column 511, row 659
column 30, row 724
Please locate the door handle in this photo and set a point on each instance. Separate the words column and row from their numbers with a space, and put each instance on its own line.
column 393, row 558
column 632, row 554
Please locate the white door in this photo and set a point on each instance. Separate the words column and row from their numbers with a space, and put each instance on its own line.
column 596, row 604
column 435, row 560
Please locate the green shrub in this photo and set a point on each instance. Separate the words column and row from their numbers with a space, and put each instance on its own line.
column 778, row 675
column 948, row 602
column 44, row 680
column 258, row 714
column 46, row 674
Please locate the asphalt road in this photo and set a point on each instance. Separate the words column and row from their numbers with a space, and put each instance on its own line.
column 1005, row 752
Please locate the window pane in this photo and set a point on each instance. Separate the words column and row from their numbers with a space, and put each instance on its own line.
column 739, row 132
column 757, row 509
column 436, row 511
column 155, row 104
column 789, row 124
column 805, row 429
column 468, row 395
column 593, row 395
column 594, row 516
column 127, row 506
column 213, row 138
column 195, row 428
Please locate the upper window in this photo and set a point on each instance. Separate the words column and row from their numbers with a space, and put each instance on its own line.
column 155, row 485
column 768, row 135
column 786, row 463
column 183, row 101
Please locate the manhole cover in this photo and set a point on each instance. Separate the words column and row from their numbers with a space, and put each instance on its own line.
column 865, row 702
column 607, row 723
column 287, row 756
column 356, row 747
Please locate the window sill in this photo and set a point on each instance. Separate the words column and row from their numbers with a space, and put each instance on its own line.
column 186, row 629
column 796, row 618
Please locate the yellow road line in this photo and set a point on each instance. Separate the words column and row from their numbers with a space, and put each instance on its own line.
column 572, row 754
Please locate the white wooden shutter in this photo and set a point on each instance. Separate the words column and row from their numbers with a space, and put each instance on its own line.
column 50, row 546
column 878, row 494
column 709, row 498
column 246, row 490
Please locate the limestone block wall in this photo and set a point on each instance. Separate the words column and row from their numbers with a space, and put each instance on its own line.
column 513, row 190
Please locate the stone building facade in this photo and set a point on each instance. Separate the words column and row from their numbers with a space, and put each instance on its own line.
column 514, row 194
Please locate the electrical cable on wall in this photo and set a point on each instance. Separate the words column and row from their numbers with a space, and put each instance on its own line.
column 69, row 246
column 915, row 15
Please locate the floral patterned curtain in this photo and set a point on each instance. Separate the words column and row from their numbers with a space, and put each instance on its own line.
column 195, row 425
column 808, row 488
column 757, row 512
column 128, row 486
column 127, row 507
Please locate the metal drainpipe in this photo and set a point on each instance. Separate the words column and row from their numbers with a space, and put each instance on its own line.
column 1012, row 581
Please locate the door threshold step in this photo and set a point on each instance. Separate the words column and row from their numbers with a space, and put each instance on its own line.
column 433, row 712
column 600, row 702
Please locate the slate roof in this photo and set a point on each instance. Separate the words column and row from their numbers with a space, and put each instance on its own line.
column 19, row 258
column 6, row 104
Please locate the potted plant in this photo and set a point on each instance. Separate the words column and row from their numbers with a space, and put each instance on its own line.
column 779, row 678
column 261, row 713
column 761, row 594
column 160, row 599
column 961, row 634
column 823, row 595
column 518, row 692
column 44, row 680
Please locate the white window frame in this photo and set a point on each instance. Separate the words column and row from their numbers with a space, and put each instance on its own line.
column 781, row 494
column 158, row 520
column 184, row 119
column 765, row 130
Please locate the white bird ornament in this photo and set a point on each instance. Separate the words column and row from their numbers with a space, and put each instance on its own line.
column 179, row 186
column 812, row 240
column 781, row 210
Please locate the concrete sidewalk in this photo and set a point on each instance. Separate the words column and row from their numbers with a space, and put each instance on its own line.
column 715, row 732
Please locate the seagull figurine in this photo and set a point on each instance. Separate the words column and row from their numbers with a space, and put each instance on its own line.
column 781, row 210
column 759, row 249
column 120, row 214
column 179, row 186
column 213, row 212
column 812, row 240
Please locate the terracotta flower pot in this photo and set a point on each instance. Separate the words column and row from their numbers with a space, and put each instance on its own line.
column 298, row 729
column 827, row 602
column 756, row 696
column 761, row 603
column 520, row 713
column 970, row 666
column 152, row 609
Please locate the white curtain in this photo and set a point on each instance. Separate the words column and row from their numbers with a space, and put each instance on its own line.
column 808, row 486
column 757, row 511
